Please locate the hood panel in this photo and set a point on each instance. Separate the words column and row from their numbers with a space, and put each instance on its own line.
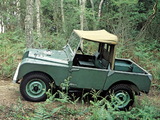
column 58, row 56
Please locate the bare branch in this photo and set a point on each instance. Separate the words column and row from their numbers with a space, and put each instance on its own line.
column 149, row 21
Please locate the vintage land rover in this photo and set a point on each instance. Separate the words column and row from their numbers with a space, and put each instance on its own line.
column 100, row 71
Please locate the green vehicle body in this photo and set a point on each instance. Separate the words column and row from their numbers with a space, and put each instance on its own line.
column 58, row 65
column 83, row 77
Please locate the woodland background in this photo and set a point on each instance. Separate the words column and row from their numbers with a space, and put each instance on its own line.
column 48, row 24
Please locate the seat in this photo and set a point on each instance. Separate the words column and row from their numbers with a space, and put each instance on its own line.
column 100, row 61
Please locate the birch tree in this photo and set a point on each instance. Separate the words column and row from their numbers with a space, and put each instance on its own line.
column 29, row 23
column 100, row 10
column 82, row 7
column 38, row 26
column 1, row 25
column 62, row 13
column 17, row 12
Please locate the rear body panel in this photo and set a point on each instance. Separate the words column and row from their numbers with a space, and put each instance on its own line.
column 142, row 81
column 126, row 70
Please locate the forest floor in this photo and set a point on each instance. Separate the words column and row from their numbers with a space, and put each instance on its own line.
column 9, row 94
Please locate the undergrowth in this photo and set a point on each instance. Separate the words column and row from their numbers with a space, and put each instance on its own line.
column 11, row 47
column 66, row 108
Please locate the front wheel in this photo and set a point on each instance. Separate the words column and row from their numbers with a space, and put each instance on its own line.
column 34, row 87
column 121, row 96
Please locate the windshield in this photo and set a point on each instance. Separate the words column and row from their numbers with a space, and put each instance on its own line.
column 72, row 45
column 74, row 42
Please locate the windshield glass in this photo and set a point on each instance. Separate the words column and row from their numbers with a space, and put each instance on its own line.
column 72, row 45
column 74, row 42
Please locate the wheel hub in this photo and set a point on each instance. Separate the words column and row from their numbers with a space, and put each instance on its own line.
column 36, row 88
column 121, row 99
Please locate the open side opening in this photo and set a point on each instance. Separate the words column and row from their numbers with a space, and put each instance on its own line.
column 101, row 59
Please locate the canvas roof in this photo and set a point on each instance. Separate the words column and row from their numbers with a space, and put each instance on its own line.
column 98, row 36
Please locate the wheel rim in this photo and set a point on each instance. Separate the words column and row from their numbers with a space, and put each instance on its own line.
column 121, row 99
column 36, row 88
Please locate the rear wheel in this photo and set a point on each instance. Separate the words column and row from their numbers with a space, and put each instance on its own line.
column 121, row 96
column 34, row 87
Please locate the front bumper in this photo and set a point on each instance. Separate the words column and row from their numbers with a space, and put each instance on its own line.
column 15, row 78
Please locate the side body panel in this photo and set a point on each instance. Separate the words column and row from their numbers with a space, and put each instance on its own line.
column 142, row 81
column 57, row 71
column 85, row 77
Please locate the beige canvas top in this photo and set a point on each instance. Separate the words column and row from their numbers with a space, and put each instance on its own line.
column 98, row 36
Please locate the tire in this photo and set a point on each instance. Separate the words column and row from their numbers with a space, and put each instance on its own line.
column 121, row 97
column 34, row 87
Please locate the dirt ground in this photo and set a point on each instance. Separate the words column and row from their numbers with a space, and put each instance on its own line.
column 9, row 95
column 8, row 92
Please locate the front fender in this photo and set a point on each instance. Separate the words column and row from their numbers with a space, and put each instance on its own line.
column 57, row 71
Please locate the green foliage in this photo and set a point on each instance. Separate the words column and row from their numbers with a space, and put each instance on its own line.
column 51, row 41
column 11, row 46
column 100, row 113
column 42, row 112
column 65, row 84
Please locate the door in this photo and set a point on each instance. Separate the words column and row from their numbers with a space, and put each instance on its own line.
column 85, row 77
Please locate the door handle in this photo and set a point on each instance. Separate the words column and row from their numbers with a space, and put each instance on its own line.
column 74, row 69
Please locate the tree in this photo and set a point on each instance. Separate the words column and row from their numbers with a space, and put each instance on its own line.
column 82, row 6
column 82, row 13
column 1, row 25
column 62, row 13
column 148, row 21
column 38, row 27
column 29, row 23
column 99, row 10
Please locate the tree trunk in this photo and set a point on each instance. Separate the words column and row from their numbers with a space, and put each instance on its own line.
column 1, row 25
column 82, row 6
column 37, row 4
column 99, row 10
column 149, row 20
column 62, row 13
column 29, row 23
column 93, row 12
column 92, row 4
column 18, row 14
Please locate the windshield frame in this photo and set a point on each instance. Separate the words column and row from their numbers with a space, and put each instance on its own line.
column 72, row 45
